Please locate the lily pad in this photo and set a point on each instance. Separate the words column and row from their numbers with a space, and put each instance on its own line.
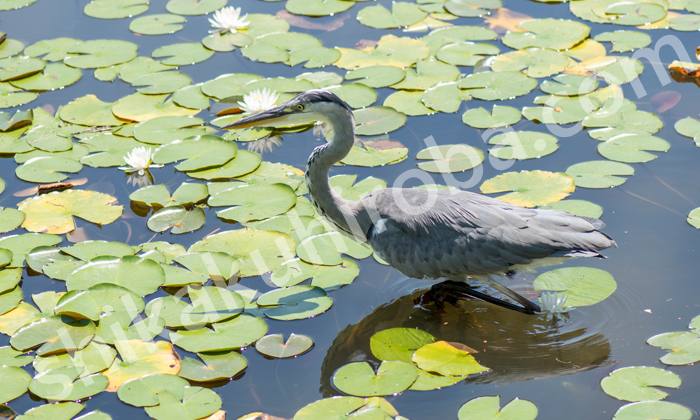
column 375, row 153
column 530, row 188
column 599, row 173
column 500, row 116
column 445, row 97
column 63, row 384
column 10, row 47
column 100, row 53
column 534, row 62
column 15, row 381
column 377, row 120
column 51, row 49
column 408, row 102
column 472, row 8
column 12, row 357
column 253, row 201
column 402, row 14
column 10, row 219
column 376, row 76
column 59, row 411
column 694, row 218
column 632, row 148
column 158, row 195
column 634, row 14
column 325, row 249
column 157, row 24
column 298, row 227
column 196, row 153
column 115, row 9
column 501, row 85
column 685, row 23
column 561, row 109
column 98, row 299
column 558, row 34
column 465, row 53
column 390, row 51
column 162, row 82
column 684, row 347
column 140, row 107
column 428, row 381
column 141, row 276
column 244, row 163
column 357, row 95
column 399, row 343
column 196, row 403
column 295, row 302
column 94, row 358
column 46, row 334
column 178, row 218
column 689, row 127
column 143, row 391
column 318, row 7
column 19, row 67
column 47, row 169
column 209, row 304
column 360, row 379
column 428, row 73
column 447, row 359
column 521, row 145
column 569, row 85
column 623, row 41
column 238, row 332
column 182, row 54
column 21, row 245
column 194, row 7
column 140, row 358
column 90, row 111
column 652, row 410
column 54, row 212
column 11, row 96
column 635, row 383
column 191, row 97
column 489, row 408
column 450, row 158
column 576, row 207
column 216, row 366
column 273, row 345
column 583, row 286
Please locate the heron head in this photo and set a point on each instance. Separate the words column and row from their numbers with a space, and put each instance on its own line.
column 306, row 108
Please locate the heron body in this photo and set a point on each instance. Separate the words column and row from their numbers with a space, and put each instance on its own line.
column 426, row 233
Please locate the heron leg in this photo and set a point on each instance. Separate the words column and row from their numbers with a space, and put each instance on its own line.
column 438, row 290
column 529, row 306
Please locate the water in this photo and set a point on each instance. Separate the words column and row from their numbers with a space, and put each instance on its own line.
column 555, row 364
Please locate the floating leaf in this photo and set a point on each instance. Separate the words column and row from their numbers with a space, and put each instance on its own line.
column 10, row 219
column 376, row 76
column 140, row 107
column 684, row 347
column 295, row 302
column 63, row 384
column 689, row 127
column 182, row 54
column 599, row 173
column 345, row 407
column 500, row 85
column 10, row 47
column 298, row 227
column 456, row 34
column 158, row 195
column 487, row 408
column 569, row 85
column 47, row 169
column 11, row 96
column 273, row 345
column 408, row 102
column 576, row 207
column 53, row 212
column 228, row 85
column 633, row 14
column 115, row 9
column 157, row 24
column 447, row 359
column 561, row 109
column 558, row 34
column 209, row 304
column 357, row 95
column 244, row 163
column 51, row 49
column 583, row 286
column 530, row 188
column 390, row 51
column 402, row 14
column 359, row 379
column 450, row 158
column 500, row 116
column 19, row 67
column 616, row 70
column 12, row 357
column 632, row 148
column 194, row 7
column 54, row 334
column 163, row 82
column 635, row 383
column 10, row 299
column 54, row 76
column 377, row 120
column 694, row 218
column 196, row 403
column 100, row 53
column 318, row 7
column 191, row 97
column 444, row 97
column 199, row 152
column 141, row 276
column 15, row 381
column 521, row 145
column 178, row 218
column 140, row 358
column 472, row 8
column 428, row 73
column 652, row 410
column 465, row 53
column 623, row 41
column 216, row 366
column 253, row 201
column 534, row 62
column 92, row 359
column 685, row 23
column 238, row 332
column 21, row 245
column 398, row 343
column 375, row 153
column 88, row 110
column 96, row 300
column 428, row 381
column 59, row 411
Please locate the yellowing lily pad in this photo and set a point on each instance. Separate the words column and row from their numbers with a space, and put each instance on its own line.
column 447, row 359
column 390, row 51
column 558, row 34
column 140, row 358
column 530, row 188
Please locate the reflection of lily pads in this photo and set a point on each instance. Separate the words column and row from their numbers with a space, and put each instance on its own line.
column 635, row 383
column 583, row 286
column 599, row 173
column 359, row 378
column 273, row 345
column 530, row 188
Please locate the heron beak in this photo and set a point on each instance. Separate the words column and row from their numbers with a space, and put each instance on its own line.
column 275, row 117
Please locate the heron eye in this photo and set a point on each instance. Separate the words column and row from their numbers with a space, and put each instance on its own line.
column 300, row 107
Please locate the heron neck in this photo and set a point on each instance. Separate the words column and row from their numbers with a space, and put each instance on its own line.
column 327, row 202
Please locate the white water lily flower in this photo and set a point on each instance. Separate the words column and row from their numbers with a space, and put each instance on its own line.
column 139, row 159
column 265, row 144
column 229, row 19
column 259, row 100
column 553, row 304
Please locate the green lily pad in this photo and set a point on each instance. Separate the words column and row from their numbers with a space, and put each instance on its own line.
column 127, row 325
column 377, row 120
column 447, row 359
column 244, row 243
column 216, row 366
column 390, row 51
column 226, row 41
column 325, row 248
column 60, row 411
column 141, row 276
column 96, row 300
column 623, row 41
column 376, row 76
column 191, row 97
column 650, row 410
column 402, row 14
column 599, row 173
column 10, row 299
column 375, row 153
column 489, row 408
column 530, row 188
column 228, row 85
column 196, row 402
column 428, row 73
column 295, row 271
column 428, row 381
column 15, row 381
column 218, row 266
column 44, row 333
column 47, row 169
column 313, row 57
column 273, row 345
column 684, row 347
column 158, row 195
column 238, row 332
column 346, row 408
column 297, row 226
column 15, row 319
column 63, row 384
column 209, row 304
column 11, row 96
column 295, row 302
column 465, row 53
column 21, row 245
column 54, row 212
column 569, row 85
column 450, row 158
column 90, row 111
column 561, row 109
column 534, row 62
column 10, row 47
column 689, row 127
column 634, row 14
column 347, row 188
column 500, row 116
column 100, row 53
column 19, row 67
column 445, row 97
column 162, row 82
column 360, row 379
column 115, row 9
column 140, row 358
column 632, row 148
column 583, row 286
column 139, row 67
column 140, row 107
column 244, row 163
column 685, row 23
column 357, row 95
column 521, row 145
column 615, row 70
column 456, row 34
column 472, row 8
column 12, row 357
column 635, row 383
column 694, row 218
column 398, row 343
column 51, row 49
column 253, row 201
column 10, row 219
column 194, row 7
column 157, row 24
column 143, row 391
column 318, row 7
column 500, row 85
column 408, row 103
column 182, row 54
column 94, row 358
column 576, row 207
column 558, row 34
column 199, row 152
column 178, row 218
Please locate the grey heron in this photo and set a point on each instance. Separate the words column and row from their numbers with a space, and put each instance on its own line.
column 431, row 233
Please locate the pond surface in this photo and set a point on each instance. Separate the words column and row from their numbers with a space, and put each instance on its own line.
column 557, row 364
